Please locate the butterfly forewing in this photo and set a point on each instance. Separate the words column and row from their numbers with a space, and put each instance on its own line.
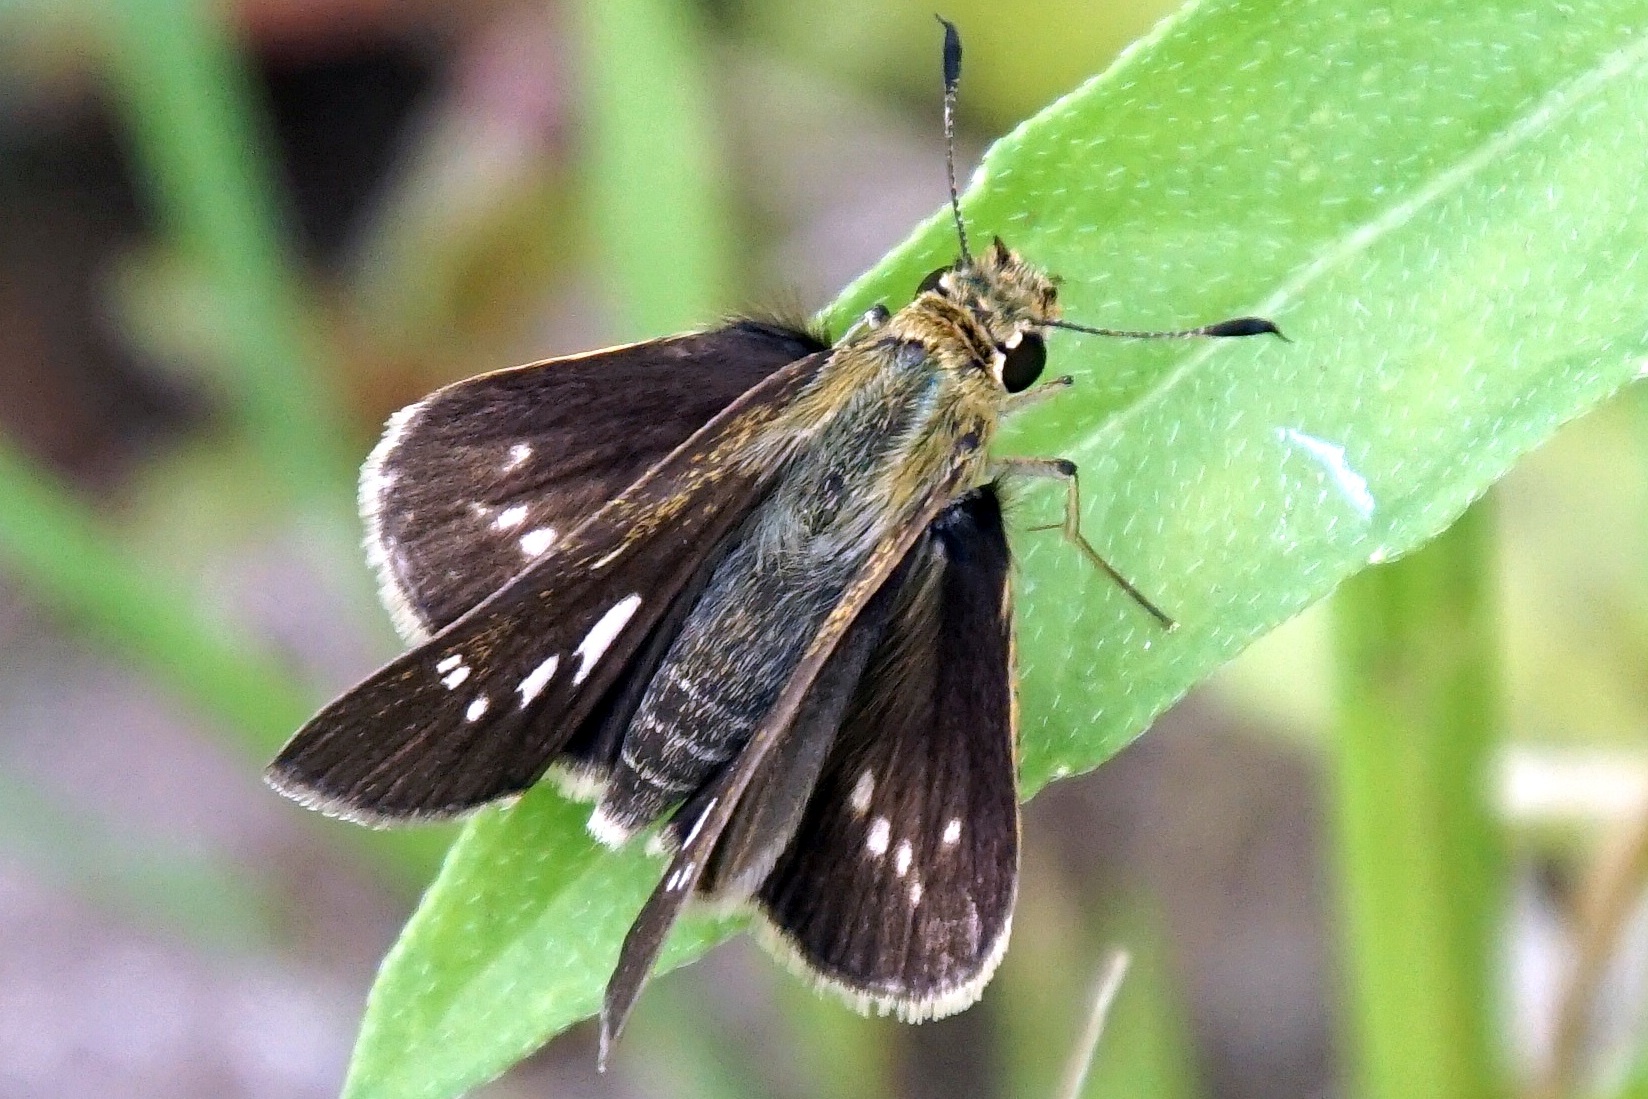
column 771, row 809
column 584, row 764
column 477, row 481
column 897, row 888
column 724, row 797
column 480, row 710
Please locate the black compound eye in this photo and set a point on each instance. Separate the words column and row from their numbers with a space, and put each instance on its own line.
column 1022, row 365
column 931, row 281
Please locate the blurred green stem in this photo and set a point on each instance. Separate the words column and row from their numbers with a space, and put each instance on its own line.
column 1105, row 987
column 1636, row 1083
column 1043, row 993
column 203, row 146
column 1420, row 859
column 654, row 164
column 63, row 556
column 685, row 1060
column 51, row 543
column 841, row 1052
column 143, row 878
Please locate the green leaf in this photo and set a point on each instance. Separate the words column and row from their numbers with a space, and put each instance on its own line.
column 513, row 942
column 1439, row 206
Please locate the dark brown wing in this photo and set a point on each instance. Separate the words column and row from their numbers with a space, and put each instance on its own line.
column 480, row 710
column 897, row 888
column 772, row 808
column 687, row 869
column 473, row 483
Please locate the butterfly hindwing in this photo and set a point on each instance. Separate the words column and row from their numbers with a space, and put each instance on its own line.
column 897, row 887
column 473, row 483
column 480, row 710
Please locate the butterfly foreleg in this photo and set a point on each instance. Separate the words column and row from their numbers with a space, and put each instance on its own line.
column 1030, row 398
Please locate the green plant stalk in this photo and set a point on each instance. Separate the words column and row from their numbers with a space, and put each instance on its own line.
column 142, row 879
column 62, row 555
column 653, row 164
column 202, row 145
column 690, row 1061
column 1046, row 988
column 1636, row 1082
column 843, row 1054
column 1421, row 863
column 1106, row 986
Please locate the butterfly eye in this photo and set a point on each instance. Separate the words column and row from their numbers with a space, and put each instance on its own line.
column 931, row 281
column 1021, row 364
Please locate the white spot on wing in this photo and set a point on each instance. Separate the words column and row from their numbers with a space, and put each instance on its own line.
column 518, row 453
column 952, row 832
column 915, row 892
column 601, row 635
column 449, row 663
column 476, row 709
column 535, row 542
column 454, row 679
column 902, row 858
column 678, row 878
column 880, row 833
column 698, row 824
column 533, row 685
column 510, row 517
column 860, row 797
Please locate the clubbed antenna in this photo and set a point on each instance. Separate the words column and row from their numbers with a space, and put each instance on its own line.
column 1237, row 326
column 952, row 78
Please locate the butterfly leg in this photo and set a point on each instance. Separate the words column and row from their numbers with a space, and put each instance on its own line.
column 1018, row 402
column 1065, row 470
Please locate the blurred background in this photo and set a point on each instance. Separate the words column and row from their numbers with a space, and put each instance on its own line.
column 234, row 237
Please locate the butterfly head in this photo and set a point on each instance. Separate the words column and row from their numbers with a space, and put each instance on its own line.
column 1009, row 301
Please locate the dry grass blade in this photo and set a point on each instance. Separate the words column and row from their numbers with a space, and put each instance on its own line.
column 1612, row 891
column 1105, row 988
